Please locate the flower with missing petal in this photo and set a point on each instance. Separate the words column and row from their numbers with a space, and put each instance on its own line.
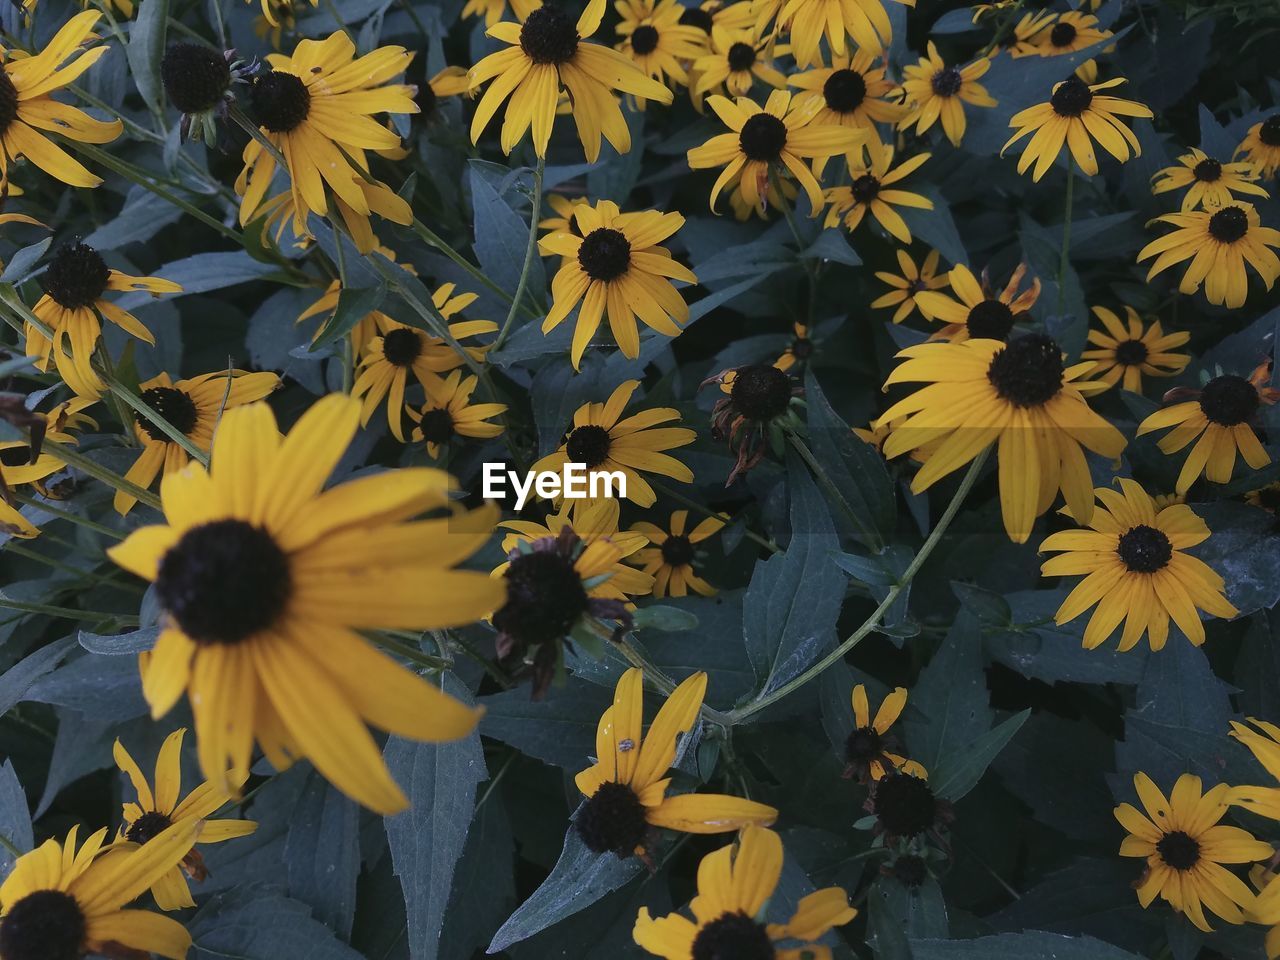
column 979, row 311
column 448, row 414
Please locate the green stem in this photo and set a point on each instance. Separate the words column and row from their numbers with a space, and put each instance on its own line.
column 126, row 421
column 69, row 613
column 70, row 517
column 705, row 511
column 73, row 458
column 348, row 356
column 412, row 654
column 873, row 621
column 827, row 484
column 530, row 251
column 1064, row 261
column 9, row 847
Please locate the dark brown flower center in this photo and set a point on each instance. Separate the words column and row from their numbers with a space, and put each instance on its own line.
column 910, row 870
column 865, row 189
column 77, row 276
column 742, row 56
column 588, row 444
column 1208, row 170
column 281, row 101
column 1028, row 372
column 761, row 392
column 545, row 597
column 1072, row 97
column 549, row 36
column 426, row 100
column 677, row 551
column 436, row 425
column 762, row 137
column 802, row 348
column 402, row 346
column 1269, row 132
column 173, row 405
column 1145, row 549
column 863, row 745
column 1229, row 400
column 1228, row 225
column 904, row 805
column 45, row 925
column 8, row 102
column 1062, row 35
column 224, row 581
column 644, row 39
column 195, row 76
column 733, row 936
column 1179, row 850
column 147, row 827
column 844, row 90
column 612, row 820
column 990, row 320
column 947, row 82
column 1131, row 353
column 605, row 254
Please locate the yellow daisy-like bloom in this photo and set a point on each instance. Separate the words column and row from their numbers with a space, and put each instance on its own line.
column 1212, row 183
column 626, row 787
column 1128, row 352
column 1220, row 420
column 387, row 360
column 854, row 91
column 1264, row 744
column 613, row 265
column 272, row 13
column 729, row 911
column 935, row 92
column 75, row 285
column 798, row 350
column 1261, row 147
column 808, row 21
column 314, row 107
column 194, row 406
column 1266, row 909
column 563, row 208
column 869, row 748
column 449, row 413
column 867, row 194
column 272, row 25
column 156, row 811
column 657, row 39
column 62, row 902
column 908, row 287
column 736, row 60
column 1069, row 32
column 1219, row 243
column 1137, row 570
column 263, row 580
column 605, row 442
column 1028, row 26
column 548, row 54
column 493, row 10
column 27, row 107
column 977, row 311
column 1018, row 395
column 1185, row 848
column 781, row 134
column 1076, row 115
column 17, row 469
column 671, row 558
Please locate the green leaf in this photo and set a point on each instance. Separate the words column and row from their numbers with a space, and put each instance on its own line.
column 832, row 245
column 23, row 262
column 322, row 853
column 354, row 304
column 146, row 49
column 666, row 618
column 1019, row 946
column 1244, row 551
column 950, row 701
column 256, row 921
column 18, row 681
column 15, row 817
column 501, row 234
column 120, row 644
column 560, row 729
column 959, row 772
column 143, row 215
column 918, row 912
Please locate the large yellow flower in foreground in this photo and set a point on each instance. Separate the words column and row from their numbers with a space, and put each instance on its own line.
column 935, row 92
column 1019, row 395
column 60, row 902
column 28, row 110
column 1185, row 848
column 613, row 265
column 1137, row 570
column 734, row 889
column 263, row 580
column 626, row 788
column 548, row 54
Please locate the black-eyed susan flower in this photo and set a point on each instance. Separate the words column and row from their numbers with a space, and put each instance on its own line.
column 1185, row 848
column 387, row 360
column 493, row 10
column 75, row 285
column 626, row 787
column 1266, row 908
column 1209, row 182
column 935, row 92
column 1029, row 24
column 1136, row 570
column 1221, row 419
column 1261, row 147
column 905, row 807
column 28, row 110
column 799, row 350
column 781, row 134
column 193, row 406
column 317, row 108
column 18, row 468
column 198, row 80
column 869, row 748
column 731, row 910
column 271, row 9
column 160, row 805
column 60, row 903
column 448, row 413
column 1219, row 243
column 614, row 266
column 1067, row 33
column 263, row 579
column 1124, row 350
column 854, row 91
column 1019, row 396
column 548, row 53
column 562, row 219
column 1076, row 115
column 606, row 442
column 751, row 415
column 978, row 311
column 872, row 191
column 737, row 59
column 1262, row 738
column 671, row 559
column 808, row 21
column 908, row 285
column 655, row 36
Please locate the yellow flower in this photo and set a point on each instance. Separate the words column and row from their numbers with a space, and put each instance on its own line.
column 613, row 265
column 671, row 558
column 445, row 82
column 75, row 285
column 1076, row 115
column 449, row 413
column 1266, row 909
column 730, row 909
column 1067, row 33
column 908, row 287
column 854, row 91
column 274, row 15
column 492, row 10
column 867, row 194
column 1220, row 419
column 1213, row 184
column 626, row 787
column 546, row 53
column 1129, row 352
column 1185, row 848
column 736, row 60
column 935, row 92
column 263, row 580
column 977, row 311
column 657, row 39
column 782, row 133
column 808, row 21
column 314, row 107
column 63, row 902
column 868, row 750
column 605, row 442
column 1219, row 243
column 1264, row 744
column 798, row 351
column 1018, row 395
column 1136, row 570
column 1261, row 146
column 156, row 811
column 27, row 107
column 18, row 468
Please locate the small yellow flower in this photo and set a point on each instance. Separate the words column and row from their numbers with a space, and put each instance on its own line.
column 868, row 194
column 1261, row 147
column 935, row 92
column 1212, row 184
column 1129, row 351
column 449, row 413
column 908, row 285
column 671, row 558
